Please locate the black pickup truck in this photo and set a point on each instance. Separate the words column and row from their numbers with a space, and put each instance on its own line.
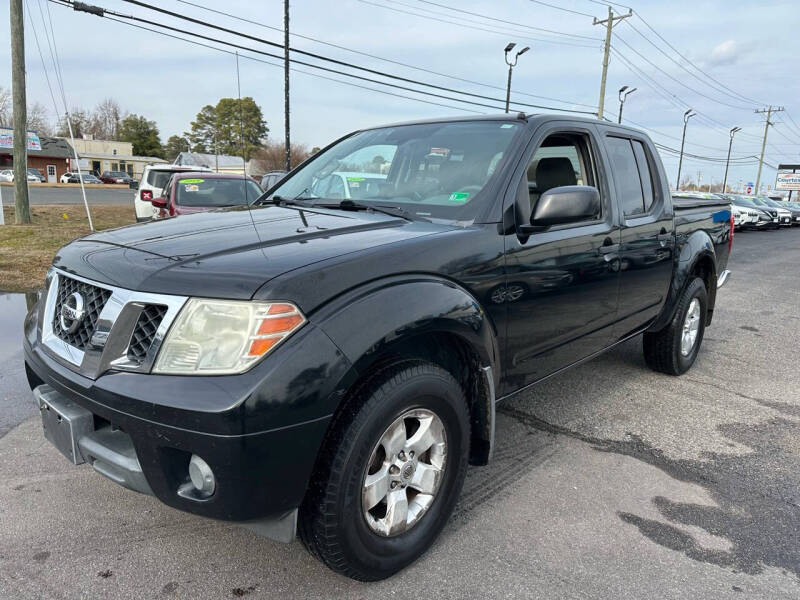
column 328, row 359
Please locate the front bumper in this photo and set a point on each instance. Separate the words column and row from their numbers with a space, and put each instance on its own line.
column 259, row 432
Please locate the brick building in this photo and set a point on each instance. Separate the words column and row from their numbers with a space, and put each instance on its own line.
column 52, row 160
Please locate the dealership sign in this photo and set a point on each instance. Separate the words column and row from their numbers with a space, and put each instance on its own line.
column 7, row 139
column 788, row 181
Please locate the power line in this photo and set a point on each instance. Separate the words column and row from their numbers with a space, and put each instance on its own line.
column 388, row 60
column 683, row 67
column 674, row 49
column 495, row 31
column 678, row 81
column 331, row 60
column 266, row 62
column 467, row 12
column 41, row 56
column 569, row 10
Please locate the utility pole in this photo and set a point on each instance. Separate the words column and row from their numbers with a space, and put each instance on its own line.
column 286, row 82
column 609, row 23
column 728, row 161
column 686, row 116
column 511, row 64
column 769, row 112
column 22, row 210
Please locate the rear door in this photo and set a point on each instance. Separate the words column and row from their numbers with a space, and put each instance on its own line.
column 561, row 284
column 647, row 229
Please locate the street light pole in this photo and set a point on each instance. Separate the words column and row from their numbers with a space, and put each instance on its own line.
column 511, row 65
column 686, row 116
column 623, row 95
column 728, row 161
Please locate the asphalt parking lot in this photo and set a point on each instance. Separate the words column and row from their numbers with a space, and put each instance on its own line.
column 609, row 481
column 70, row 195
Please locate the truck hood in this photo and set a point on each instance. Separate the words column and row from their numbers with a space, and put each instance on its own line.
column 229, row 253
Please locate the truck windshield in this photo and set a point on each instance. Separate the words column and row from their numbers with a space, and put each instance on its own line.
column 439, row 170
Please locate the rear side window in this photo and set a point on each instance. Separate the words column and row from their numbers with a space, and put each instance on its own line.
column 158, row 179
column 627, row 180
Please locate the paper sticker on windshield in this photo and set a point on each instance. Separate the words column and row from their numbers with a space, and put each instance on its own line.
column 191, row 181
column 443, row 152
column 191, row 187
column 354, row 182
column 460, row 197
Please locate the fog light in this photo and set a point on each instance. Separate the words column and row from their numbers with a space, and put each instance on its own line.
column 202, row 476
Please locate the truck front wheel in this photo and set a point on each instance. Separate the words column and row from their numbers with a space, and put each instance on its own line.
column 390, row 472
column 674, row 349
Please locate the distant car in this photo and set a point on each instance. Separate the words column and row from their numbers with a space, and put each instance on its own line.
column 268, row 180
column 200, row 191
column 346, row 185
column 154, row 178
column 745, row 216
column 6, row 175
column 116, row 177
column 767, row 216
column 36, row 175
column 784, row 215
column 76, row 178
column 792, row 207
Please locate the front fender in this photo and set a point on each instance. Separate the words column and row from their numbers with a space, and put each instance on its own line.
column 366, row 321
column 693, row 248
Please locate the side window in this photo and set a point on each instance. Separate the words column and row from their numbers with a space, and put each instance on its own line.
column 645, row 174
column 562, row 159
column 626, row 176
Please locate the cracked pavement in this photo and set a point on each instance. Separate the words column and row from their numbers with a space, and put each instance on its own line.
column 608, row 481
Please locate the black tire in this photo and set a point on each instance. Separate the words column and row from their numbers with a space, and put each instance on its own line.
column 331, row 523
column 662, row 349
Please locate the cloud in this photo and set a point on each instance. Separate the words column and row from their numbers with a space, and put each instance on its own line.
column 725, row 53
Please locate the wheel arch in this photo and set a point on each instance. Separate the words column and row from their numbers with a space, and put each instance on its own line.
column 421, row 318
column 697, row 258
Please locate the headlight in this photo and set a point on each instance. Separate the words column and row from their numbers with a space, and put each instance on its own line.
column 221, row 337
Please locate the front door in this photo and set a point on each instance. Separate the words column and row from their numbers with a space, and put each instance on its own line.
column 562, row 283
column 51, row 174
column 647, row 231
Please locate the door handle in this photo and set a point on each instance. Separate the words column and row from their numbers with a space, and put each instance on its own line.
column 664, row 238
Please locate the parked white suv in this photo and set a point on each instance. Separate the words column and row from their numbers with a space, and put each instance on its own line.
column 154, row 178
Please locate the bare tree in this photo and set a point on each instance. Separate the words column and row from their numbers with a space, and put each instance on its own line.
column 5, row 106
column 272, row 157
column 39, row 120
column 105, row 120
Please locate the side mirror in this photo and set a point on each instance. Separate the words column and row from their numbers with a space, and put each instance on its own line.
column 159, row 202
column 565, row 204
column 134, row 185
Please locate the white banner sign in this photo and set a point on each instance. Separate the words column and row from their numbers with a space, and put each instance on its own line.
column 788, row 181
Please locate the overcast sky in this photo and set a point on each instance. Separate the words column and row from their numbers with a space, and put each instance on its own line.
column 746, row 47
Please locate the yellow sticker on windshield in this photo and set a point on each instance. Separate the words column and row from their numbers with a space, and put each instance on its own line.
column 460, row 197
column 191, row 181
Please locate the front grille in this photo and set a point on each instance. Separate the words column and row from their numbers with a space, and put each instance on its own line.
column 145, row 331
column 94, row 299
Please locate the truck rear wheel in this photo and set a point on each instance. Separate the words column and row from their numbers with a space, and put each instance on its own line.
column 674, row 349
column 390, row 474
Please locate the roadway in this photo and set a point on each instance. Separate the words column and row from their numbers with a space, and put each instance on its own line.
column 70, row 195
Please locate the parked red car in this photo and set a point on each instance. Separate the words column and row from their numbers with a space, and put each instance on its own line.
column 201, row 191
column 116, row 177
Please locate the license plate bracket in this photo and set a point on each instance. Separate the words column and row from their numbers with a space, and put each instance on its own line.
column 64, row 422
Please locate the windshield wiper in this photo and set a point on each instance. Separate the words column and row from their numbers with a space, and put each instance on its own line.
column 392, row 211
column 298, row 199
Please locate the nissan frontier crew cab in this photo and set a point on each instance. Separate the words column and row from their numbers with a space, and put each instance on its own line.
column 327, row 359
